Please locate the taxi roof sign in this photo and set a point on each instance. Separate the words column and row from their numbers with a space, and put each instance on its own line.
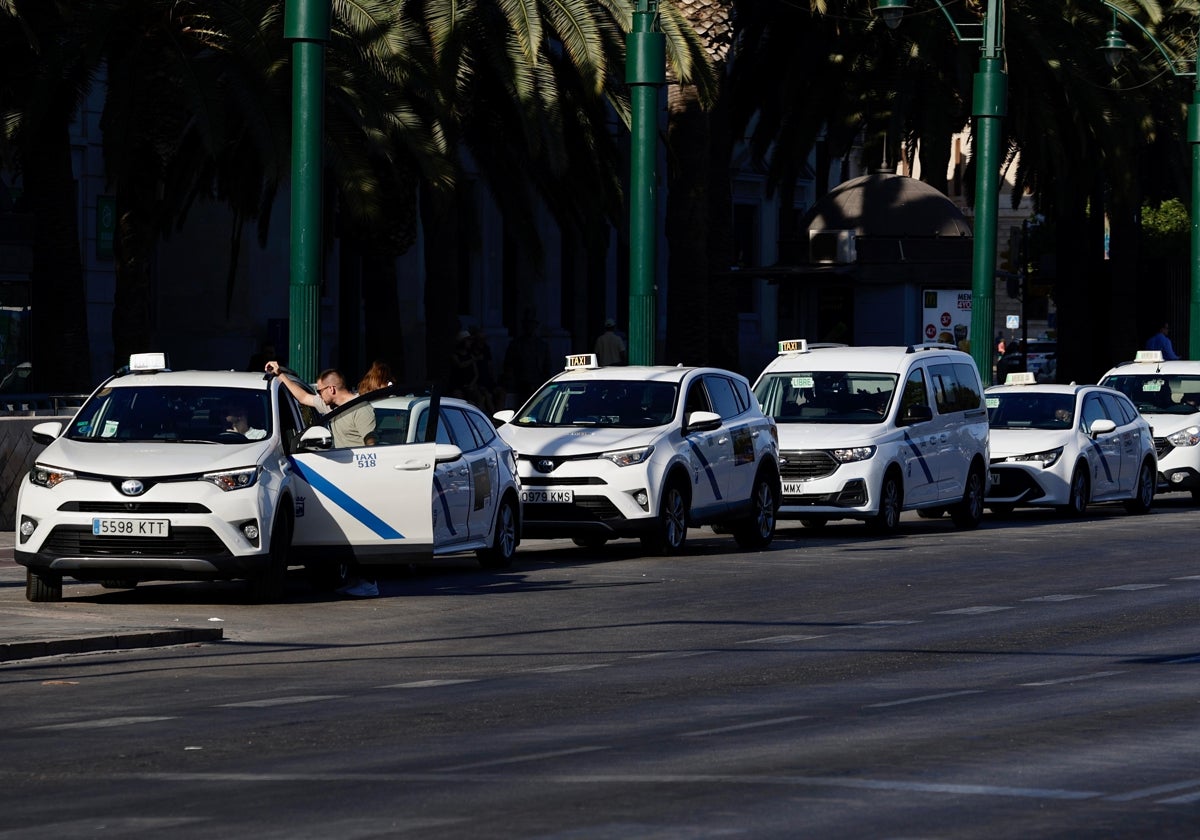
column 1028, row 378
column 147, row 361
column 582, row 361
column 793, row 345
column 1148, row 356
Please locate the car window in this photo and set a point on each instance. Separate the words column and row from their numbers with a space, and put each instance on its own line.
column 954, row 387
column 697, row 399
column 1112, row 407
column 720, row 392
column 178, row 413
column 916, row 393
column 1127, row 409
column 483, row 426
column 1093, row 410
column 460, row 429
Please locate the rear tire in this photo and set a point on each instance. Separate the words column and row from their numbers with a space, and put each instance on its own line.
column 1143, row 491
column 504, row 538
column 968, row 513
column 43, row 587
column 891, row 503
column 758, row 529
column 670, row 527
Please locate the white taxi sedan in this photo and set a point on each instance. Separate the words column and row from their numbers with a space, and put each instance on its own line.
column 1066, row 446
column 607, row 452
column 219, row 475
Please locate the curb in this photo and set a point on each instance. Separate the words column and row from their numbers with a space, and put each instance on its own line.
column 11, row 651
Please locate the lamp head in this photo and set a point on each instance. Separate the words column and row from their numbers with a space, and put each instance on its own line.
column 891, row 11
column 1114, row 48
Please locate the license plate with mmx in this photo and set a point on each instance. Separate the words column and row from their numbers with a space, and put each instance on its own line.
column 113, row 527
column 545, row 496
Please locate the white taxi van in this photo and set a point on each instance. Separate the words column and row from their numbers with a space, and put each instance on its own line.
column 221, row 475
column 868, row 432
column 1167, row 394
column 633, row 451
column 1066, row 446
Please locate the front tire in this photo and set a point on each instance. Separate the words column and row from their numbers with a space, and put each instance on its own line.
column 891, row 503
column 968, row 513
column 267, row 586
column 1077, row 500
column 757, row 530
column 43, row 587
column 1143, row 491
column 504, row 538
column 670, row 527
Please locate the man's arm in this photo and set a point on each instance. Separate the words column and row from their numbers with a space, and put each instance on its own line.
column 302, row 394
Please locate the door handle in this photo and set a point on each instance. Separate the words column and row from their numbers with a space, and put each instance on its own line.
column 412, row 465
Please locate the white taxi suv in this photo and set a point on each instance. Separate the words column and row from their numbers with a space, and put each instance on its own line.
column 221, row 475
column 644, row 451
column 1066, row 446
column 868, row 432
column 1167, row 394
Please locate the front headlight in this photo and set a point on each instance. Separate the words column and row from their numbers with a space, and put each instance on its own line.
column 1046, row 458
column 234, row 479
column 852, row 453
column 44, row 476
column 628, row 457
column 1185, row 437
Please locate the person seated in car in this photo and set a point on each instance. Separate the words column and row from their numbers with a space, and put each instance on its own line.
column 237, row 418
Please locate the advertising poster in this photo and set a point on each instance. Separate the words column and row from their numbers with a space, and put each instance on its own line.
column 946, row 314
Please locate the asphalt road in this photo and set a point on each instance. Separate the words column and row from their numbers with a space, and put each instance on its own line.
column 1034, row 678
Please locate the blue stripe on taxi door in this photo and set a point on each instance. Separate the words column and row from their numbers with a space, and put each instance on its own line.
column 912, row 444
column 346, row 502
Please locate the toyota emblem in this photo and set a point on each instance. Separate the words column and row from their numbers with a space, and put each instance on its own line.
column 544, row 465
column 132, row 487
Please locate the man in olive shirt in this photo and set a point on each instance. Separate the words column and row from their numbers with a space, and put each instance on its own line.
column 352, row 428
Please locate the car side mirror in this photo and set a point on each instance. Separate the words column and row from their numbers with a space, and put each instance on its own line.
column 702, row 421
column 444, row 453
column 1102, row 427
column 915, row 414
column 316, row 437
column 505, row 416
column 45, row 433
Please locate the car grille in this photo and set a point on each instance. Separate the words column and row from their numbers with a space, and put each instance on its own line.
column 1162, row 446
column 798, row 466
column 540, row 481
column 1014, row 482
column 583, row 509
column 133, row 507
column 78, row 541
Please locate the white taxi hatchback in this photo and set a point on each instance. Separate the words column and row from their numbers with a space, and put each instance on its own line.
column 220, row 475
column 868, row 432
column 1167, row 394
column 1066, row 446
column 644, row 451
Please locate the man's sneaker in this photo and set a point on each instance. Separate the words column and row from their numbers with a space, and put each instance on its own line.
column 361, row 589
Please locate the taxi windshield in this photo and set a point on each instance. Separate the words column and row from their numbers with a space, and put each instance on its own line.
column 1030, row 411
column 1159, row 393
column 826, row 396
column 631, row 404
column 174, row 413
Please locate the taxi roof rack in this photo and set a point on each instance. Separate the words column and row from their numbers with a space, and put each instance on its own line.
column 930, row 345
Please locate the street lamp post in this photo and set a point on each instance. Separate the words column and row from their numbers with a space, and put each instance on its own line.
column 306, row 25
column 645, row 71
column 1114, row 49
column 988, row 98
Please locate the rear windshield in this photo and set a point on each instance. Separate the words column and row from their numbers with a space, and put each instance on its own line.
column 174, row 413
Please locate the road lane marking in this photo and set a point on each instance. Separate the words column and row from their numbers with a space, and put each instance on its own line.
column 1153, row 791
column 671, row 654
column 1078, row 678
column 427, row 683
column 519, row 759
column 1180, row 800
column 1130, row 587
column 560, row 669
column 972, row 610
column 1058, row 597
column 778, row 640
column 738, row 727
column 280, row 701
column 102, row 723
column 928, row 698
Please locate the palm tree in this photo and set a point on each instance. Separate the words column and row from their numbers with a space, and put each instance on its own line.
column 45, row 78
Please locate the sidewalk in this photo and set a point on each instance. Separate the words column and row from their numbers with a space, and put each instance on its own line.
column 30, row 631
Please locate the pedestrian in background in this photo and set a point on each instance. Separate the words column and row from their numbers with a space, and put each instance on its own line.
column 1161, row 341
column 610, row 348
column 527, row 361
column 379, row 375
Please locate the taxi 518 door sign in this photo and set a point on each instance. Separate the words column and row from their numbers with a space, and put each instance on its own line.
column 946, row 315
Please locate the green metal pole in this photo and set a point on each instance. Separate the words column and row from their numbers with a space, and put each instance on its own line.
column 988, row 108
column 306, row 24
column 645, row 71
column 1193, row 130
